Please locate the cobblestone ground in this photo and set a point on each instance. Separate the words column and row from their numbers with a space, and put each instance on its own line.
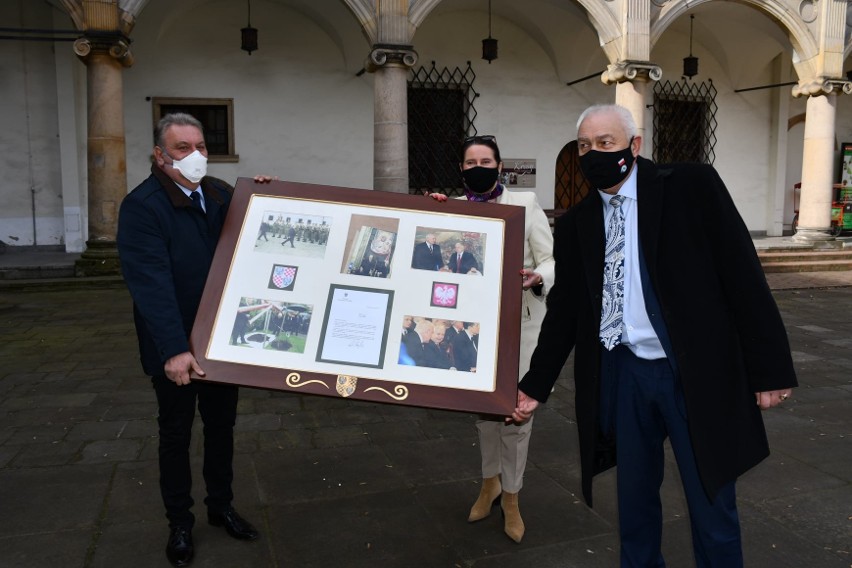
column 332, row 482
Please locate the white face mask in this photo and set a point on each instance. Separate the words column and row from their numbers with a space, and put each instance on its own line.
column 193, row 167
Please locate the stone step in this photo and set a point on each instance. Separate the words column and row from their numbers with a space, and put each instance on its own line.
column 36, row 272
column 73, row 283
column 797, row 259
column 804, row 255
column 809, row 266
column 41, row 264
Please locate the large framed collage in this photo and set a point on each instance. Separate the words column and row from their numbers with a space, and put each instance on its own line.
column 364, row 294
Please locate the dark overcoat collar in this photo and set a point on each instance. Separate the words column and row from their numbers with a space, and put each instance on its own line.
column 212, row 199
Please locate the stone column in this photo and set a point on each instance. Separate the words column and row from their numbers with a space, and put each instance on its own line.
column 631, row 79
column 390, row 65
column 105, row 55
column 817, row 191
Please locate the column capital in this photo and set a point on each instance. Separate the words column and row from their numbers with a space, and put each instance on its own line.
column 822, row 86
column 622, row 71
column 387, row 55
column 114, row 44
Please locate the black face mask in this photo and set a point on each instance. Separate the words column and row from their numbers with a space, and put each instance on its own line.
column 479, row 179
column 607, row 169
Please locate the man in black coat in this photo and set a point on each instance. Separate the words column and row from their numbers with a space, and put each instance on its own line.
column 416, row 342
column 677, row 335
column 291, row 237
column 463, row 261
column 465, row 348
column 168, row 227
column 427, row 255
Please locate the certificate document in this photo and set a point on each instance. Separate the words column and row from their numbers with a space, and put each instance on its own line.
column 355, row 327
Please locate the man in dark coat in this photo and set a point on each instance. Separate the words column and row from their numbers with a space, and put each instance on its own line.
column 368, row 265
column 241, row 323
column 463, row 261
column 168, row 227
column 681, row 338
column 416, row 342
column 427, row 255
column 291, row 237
column 464, row 348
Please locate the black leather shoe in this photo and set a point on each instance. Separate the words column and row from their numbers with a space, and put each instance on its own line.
column 236, row 526
column 179, row 549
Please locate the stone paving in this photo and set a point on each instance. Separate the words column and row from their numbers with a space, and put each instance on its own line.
column 338, row 483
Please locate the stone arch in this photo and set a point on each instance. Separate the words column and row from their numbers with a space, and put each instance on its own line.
column 420, row 9
column 515, row 16
column 605, row 24
column 847, row 37
column 323, row 21
column 804, row 45
column 365, row 12
column 75, row 9
column 133, row 7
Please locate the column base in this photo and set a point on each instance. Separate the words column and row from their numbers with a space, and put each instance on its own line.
column 99, row 259
column 818, row 238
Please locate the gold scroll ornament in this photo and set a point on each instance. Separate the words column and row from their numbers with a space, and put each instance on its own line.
column 294, row 381
column 400, row 390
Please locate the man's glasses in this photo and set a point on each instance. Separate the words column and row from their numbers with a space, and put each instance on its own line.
column 477, row 139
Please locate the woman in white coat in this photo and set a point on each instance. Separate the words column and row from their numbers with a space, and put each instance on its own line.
column 504, row 446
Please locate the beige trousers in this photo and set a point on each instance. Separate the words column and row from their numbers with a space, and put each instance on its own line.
column 504, row 449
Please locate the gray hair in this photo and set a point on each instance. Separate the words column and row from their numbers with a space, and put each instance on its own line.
column 172, row 119
column 623, row 114
column 424, row 325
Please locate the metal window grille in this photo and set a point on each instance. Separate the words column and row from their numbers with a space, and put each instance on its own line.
column 440, row 116
column 684, row 122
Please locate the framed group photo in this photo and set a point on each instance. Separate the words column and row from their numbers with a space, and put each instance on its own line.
column 370, row 295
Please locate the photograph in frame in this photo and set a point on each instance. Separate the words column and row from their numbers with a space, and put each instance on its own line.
column 267, row 324
column 303, row 235
column 437, row 343
column 445, row 250
column 370, row 244
column 344, row 344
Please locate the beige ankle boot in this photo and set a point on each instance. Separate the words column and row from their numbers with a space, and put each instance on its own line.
column 488, row 493
column 513, row 525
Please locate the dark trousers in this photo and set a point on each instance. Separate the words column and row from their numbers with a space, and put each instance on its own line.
column 217, row 405
column 648, row 407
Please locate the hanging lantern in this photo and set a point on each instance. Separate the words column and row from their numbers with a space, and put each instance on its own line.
column 489, row 44
column 249, row 34
column 690, row 64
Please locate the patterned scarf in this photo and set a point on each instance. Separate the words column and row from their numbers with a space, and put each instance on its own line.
column 493, row 194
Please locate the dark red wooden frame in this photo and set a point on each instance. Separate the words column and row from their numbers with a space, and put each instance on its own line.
column 501, row 402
